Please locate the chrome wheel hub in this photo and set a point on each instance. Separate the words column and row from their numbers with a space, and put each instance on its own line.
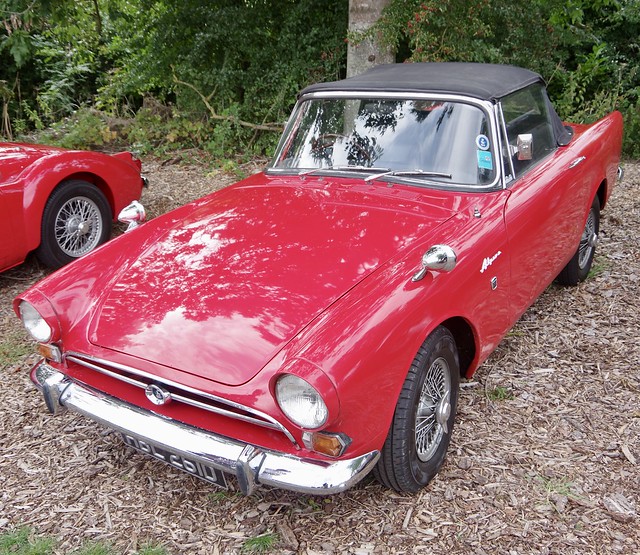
column 443, row 412
column 76, row 227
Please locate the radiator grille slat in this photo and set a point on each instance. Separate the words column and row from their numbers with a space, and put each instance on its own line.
column 180, row 393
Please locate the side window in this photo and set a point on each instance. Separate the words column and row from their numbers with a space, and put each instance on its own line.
column 526, row 118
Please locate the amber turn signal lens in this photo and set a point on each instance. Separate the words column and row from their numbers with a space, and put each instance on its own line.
column 326, row 443
column 50, row 352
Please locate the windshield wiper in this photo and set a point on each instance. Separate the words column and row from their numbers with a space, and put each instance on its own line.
column 346, row 168
column 399, row 173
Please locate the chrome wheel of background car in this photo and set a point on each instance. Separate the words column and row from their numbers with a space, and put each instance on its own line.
column 78, row 226
column 76, row 219
column 579, row 266
column 423, row 420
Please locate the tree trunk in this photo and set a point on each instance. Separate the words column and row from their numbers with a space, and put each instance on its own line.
column 368, row 52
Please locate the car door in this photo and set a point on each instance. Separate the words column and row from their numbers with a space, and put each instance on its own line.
column 544, row 211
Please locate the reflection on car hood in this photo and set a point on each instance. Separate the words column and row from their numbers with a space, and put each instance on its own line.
column 221, row 293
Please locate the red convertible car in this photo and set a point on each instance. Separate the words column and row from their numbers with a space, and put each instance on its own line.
column 311, row 323
column 60, row 202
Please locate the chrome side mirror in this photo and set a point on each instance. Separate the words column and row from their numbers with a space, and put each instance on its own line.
column 524, row 144
column 439, row 258
column 133, row 214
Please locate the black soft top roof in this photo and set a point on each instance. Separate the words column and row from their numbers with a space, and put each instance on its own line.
column 482, row 81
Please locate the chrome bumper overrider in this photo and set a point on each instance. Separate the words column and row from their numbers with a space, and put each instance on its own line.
column 253, row 466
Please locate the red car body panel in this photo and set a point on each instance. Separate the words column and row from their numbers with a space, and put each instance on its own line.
column 312, row 275
column 29, row 174
column 249, row 276
column 281, row 319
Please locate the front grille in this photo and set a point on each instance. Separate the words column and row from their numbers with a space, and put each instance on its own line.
column 180, row 393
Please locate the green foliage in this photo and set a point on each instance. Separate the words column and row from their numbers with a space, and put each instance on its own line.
column 218, row 63
column 87, row 128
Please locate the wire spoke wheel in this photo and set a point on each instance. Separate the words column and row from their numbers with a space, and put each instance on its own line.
column 76, row 219
column 78, row 226
column 577, row 269
column 421, row 428
column 588, row 241
column 433, row 409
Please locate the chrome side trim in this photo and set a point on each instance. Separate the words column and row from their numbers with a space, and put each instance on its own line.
column 252, row 465
column 259, row 418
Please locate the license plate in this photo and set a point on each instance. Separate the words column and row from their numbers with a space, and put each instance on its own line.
column 196, row 468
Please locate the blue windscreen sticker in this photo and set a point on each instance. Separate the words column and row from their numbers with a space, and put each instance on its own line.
column 485, row 160
column 482, row 142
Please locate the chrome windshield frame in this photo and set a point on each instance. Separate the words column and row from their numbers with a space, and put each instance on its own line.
column 488, row 108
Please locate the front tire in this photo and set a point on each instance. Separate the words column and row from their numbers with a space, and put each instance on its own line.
column 579, row 266
column 423, row 420
column 76, row 219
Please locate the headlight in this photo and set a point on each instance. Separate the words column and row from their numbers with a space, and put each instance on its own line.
column 301, row 402
column 36, row 325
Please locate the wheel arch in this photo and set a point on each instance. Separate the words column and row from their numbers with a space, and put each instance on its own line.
column 465, row 340
column 35, row 202
column 96, row 181
column 603, row 193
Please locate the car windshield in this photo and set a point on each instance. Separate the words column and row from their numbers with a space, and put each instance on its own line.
column 419, row 140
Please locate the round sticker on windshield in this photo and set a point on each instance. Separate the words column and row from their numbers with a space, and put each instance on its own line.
column 482, row 142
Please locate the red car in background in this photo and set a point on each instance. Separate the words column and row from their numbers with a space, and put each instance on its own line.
column 312, row 322
column 59, row 202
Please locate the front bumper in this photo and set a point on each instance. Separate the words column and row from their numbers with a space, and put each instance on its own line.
column 252, row 466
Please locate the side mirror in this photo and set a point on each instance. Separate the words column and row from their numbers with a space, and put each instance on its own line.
column 134, row 215
column 439, row 258
column 525, row 146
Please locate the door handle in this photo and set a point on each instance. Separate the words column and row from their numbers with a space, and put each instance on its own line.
column 577, row 161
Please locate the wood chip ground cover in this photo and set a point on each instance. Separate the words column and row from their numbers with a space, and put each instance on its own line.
column 545, row 456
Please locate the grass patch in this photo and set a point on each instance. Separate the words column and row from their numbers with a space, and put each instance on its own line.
column 558, row 486
column 499, row 393
column 221, row 496
column 13, row 346
column 598, row 268
column 25, row 541
column 260, row 544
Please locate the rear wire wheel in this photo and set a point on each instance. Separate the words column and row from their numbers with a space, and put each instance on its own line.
column 423, row 419
column 579, row 266
column 76, row 220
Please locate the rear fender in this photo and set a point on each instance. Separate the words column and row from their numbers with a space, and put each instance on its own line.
column 117, row 177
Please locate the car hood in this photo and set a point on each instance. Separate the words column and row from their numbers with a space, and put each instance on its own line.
column 15, row 157
column 222, row 291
